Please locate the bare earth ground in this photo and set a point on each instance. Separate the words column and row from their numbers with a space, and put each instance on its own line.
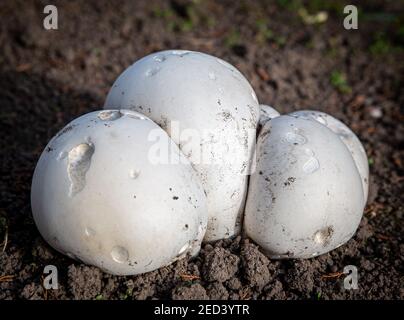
column 47, row 78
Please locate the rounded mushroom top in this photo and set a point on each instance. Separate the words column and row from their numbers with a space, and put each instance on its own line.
column 105, row 192
column 185, row 85
column 305, row 197
column 347, row 136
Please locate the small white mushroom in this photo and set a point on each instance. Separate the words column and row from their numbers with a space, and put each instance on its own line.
column 348, row 137
column 305, row 197
column 211, row 111
column 98, row 196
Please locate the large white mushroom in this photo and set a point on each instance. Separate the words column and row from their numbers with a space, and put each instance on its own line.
column 305, row 197
column 347, row 136
column 211, row 111
column 101, row 195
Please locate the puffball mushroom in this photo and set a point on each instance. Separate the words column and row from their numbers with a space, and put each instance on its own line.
column 348, row 137
column 210, row 111
column 305, row 197
column 99, row 197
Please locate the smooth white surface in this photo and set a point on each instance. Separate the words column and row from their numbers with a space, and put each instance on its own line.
column 199, row 93
column 351, row 141
column 96, row 196
column 305, row 197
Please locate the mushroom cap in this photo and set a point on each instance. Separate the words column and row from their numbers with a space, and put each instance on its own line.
column 100, row 196
column 305, row 197
column 351, row 141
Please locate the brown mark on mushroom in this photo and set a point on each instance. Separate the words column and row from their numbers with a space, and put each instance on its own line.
column 109, row 115
column 323, row 236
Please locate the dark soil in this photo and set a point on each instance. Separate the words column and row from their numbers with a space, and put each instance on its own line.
column 47, row 78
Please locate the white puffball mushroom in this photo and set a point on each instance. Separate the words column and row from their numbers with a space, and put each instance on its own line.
column 211, row 111
column 267, row 113
column 305, row 197
column 351, row 141
column 99, row 197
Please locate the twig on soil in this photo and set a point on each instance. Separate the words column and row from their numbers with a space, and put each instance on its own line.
column 381, row 236
column 357, row 102
column 23, row 67
column 245, row 294
column 189, row 277
column 373, row 209
column 6, row 278
column 397, row 160
column 332, row 275
column 263, row 74
column 371, row 130
column 4, row 243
